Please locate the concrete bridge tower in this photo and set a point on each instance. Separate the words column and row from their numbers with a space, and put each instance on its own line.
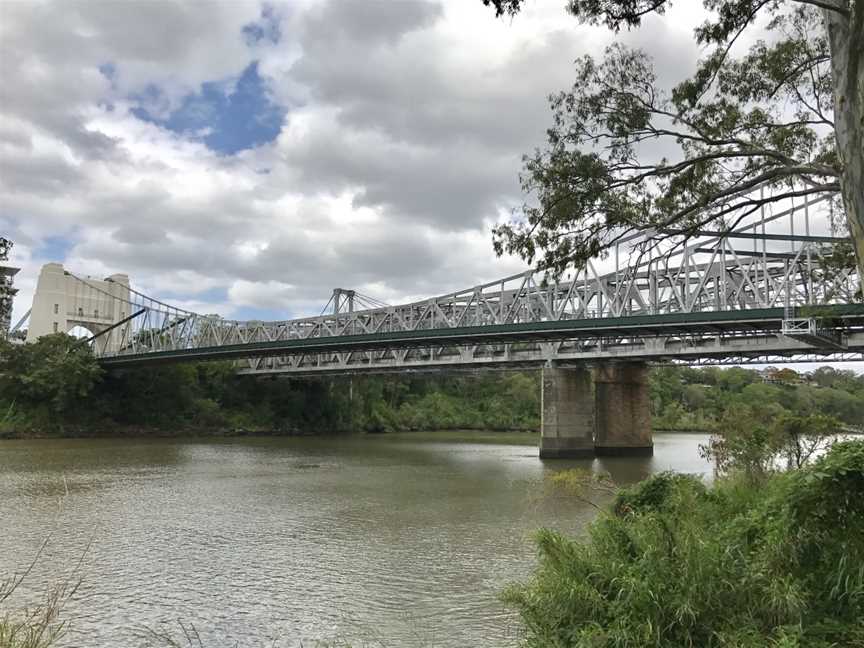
column 63, row 301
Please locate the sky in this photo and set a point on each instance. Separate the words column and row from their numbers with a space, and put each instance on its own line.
column 245, row 158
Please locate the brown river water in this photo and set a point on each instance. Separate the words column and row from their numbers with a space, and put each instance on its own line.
column 367, row 541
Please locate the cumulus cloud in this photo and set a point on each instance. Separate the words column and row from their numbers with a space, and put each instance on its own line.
column 402, row 128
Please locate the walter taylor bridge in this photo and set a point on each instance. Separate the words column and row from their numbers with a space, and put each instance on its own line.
column 759, row 293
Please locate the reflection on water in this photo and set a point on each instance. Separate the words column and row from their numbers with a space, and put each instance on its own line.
column 252, row 540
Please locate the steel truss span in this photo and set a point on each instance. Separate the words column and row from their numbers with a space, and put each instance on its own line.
column 761, row 292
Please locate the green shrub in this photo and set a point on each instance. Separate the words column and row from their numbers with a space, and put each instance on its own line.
column 207, row 413
column 778, row 563
column 656, row 493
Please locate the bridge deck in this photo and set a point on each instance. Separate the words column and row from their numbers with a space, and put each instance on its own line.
column 707, row 323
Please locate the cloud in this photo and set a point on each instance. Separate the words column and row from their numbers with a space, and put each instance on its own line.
column 371, row 23
column 248, row 158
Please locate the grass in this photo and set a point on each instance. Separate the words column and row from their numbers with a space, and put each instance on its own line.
column 39, row 625
column 779, row 564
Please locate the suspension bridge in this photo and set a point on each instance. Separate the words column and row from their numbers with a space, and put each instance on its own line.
column 765, row 291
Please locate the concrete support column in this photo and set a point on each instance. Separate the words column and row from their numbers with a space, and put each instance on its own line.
column 567, row 414
column 623, row 409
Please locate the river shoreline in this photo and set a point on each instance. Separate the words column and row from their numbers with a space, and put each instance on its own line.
column 518, row 435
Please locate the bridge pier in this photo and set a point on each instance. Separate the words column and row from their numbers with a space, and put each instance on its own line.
column 567, row 414
column 623, row 410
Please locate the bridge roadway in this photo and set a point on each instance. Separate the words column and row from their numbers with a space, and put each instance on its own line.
column 738, row 334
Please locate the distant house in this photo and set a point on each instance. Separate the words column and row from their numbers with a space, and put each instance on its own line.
column 784, row 376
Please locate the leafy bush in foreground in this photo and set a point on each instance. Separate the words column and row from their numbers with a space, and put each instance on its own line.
column 776, row 564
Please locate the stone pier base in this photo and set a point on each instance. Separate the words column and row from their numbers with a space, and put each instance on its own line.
column 623, row 410
column 567, row 414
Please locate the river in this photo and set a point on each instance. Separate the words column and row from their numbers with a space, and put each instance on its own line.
column 375, row 541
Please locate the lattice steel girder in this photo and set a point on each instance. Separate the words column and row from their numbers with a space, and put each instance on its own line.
column 732, row 286
column 760, row 349
column 695, row 326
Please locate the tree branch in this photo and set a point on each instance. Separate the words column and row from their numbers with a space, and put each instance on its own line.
column 842, row 9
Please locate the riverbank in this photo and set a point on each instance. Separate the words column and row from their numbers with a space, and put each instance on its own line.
column 137, row 432
column 458, row 435
column 515, row 437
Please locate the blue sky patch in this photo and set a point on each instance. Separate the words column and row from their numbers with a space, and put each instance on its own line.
column 227, row 118
column 53, row 249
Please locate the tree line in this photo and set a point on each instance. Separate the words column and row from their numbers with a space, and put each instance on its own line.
column 706, row 398
column 56, row 386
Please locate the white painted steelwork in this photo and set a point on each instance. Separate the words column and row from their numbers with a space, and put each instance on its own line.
column 708, row 272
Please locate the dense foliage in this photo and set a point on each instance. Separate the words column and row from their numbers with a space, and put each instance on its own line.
column 51, row 381
column 703, row 399
column 51, row 385
column 502, row 401
column 771, row 564
column 56, row 384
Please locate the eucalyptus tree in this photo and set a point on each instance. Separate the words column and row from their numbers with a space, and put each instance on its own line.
column 781, row 119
